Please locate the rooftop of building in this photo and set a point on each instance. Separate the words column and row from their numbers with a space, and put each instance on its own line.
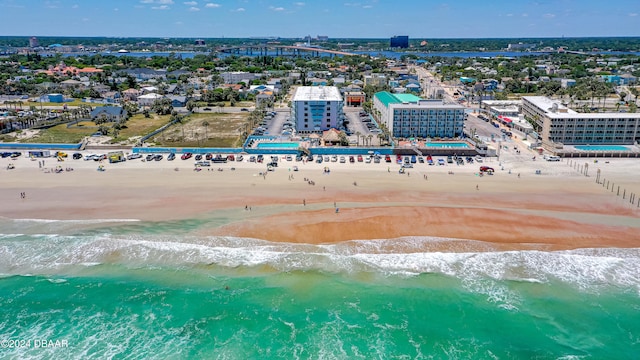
column 317, row 93
column 548, row 105
column 388, row 98
column 406, row 100
column 563, row 112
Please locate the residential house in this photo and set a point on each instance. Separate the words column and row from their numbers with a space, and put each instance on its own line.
column 148, row 99
column 177, row 100
column 131, row 94
column 111, row 113
column 265, row 99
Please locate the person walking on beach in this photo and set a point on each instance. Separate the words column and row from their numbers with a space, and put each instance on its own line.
column 304, row 202
column 477, row 188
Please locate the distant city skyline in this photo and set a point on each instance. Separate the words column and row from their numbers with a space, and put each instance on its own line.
column 419, row 19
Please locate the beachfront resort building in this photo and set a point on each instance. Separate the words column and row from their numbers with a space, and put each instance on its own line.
column 316, row 108
column 558, row 125
column 406, row 116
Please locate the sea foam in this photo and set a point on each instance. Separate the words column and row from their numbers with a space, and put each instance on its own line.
column 584, row 268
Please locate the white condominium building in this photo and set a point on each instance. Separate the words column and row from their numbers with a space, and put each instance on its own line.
column 316, row 108
column 407, row 115
column 557, row 124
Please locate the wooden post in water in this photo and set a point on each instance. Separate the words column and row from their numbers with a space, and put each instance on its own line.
column 618, row 194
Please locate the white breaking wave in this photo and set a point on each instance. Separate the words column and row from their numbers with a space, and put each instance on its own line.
column 85, row 221
column 584, row 268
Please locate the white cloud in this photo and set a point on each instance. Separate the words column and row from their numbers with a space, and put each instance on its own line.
column 239, row 10
column 509, row 15
column 212, row 5
column 116, row 9
column 75, row 6
column 276, row 8
column 161, row 7
column 633, row 14
column 193, row 8
column 367, row 6
column 191, row 3
column 549, row 16
column 159, row 2
column 299, row 4
column 525, row 15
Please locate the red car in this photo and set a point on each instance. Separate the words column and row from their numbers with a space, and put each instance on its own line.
column 359, row 158
column 186, row 156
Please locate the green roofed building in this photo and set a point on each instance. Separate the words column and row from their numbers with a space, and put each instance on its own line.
column 406, row 116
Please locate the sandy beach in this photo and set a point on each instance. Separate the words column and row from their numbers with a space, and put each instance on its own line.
column 556, row 209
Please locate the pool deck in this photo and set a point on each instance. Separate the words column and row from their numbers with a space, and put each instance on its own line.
column 570, row 151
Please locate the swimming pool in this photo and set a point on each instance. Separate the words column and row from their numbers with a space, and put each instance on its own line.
column 457, row 145
column 602, row 148
column 277, row 145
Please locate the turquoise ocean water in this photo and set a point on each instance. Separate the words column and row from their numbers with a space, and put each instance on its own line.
column 138, row 290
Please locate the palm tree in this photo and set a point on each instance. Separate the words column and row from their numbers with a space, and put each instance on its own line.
column 369, row 138
column 205, row 123
column 358, row 134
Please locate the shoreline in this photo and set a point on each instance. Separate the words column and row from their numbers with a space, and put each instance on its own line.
column 557, row 210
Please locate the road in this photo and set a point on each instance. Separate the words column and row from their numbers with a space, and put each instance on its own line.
column 431, row 85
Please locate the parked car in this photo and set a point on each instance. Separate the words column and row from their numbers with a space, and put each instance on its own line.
column 387, row 158
column 198, row 157
column 171, row 157
column 186, row 156
column 239, row 158
column 352, row 159
column 252, row 158
column 342, row 160
column 420, row 159
column 134, row 156
column 441, row 162
column 77, row 156
column 360, row 158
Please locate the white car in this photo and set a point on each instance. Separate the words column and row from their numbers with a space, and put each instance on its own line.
column 134, row 156
column 342, row 160
column 90, row 157
column 478, row 158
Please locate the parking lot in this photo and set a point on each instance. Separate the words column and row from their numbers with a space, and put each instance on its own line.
column 357, row 125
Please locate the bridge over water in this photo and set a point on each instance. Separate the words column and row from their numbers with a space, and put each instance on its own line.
column 283, row 50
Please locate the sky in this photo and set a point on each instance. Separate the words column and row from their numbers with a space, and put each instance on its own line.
column 419, row 19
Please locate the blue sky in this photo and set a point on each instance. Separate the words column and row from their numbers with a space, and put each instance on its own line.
column 345, row 18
